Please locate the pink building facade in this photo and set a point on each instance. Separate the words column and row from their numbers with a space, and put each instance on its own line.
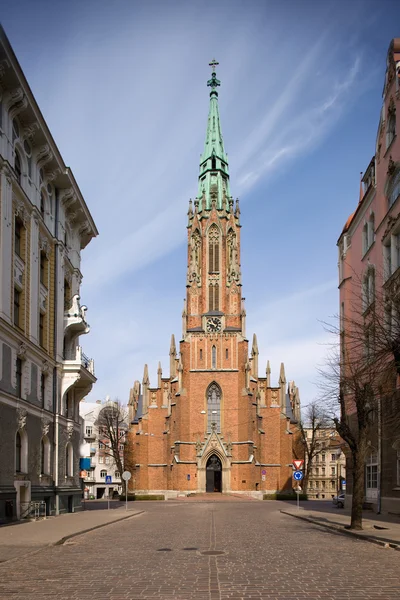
column 369, row 266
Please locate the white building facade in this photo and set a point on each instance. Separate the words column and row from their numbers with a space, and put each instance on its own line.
column 97, row 447
column 44, row 226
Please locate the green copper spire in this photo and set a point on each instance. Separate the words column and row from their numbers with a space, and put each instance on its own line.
column 214, row 172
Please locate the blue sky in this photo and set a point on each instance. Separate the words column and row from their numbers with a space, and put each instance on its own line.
column 122, row 86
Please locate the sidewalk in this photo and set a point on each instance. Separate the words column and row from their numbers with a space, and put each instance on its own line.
column 379, row 529
column 21, row 538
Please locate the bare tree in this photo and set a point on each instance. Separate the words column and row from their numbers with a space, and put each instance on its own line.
column 315, row 420
column 361, row 374
column 112, row 424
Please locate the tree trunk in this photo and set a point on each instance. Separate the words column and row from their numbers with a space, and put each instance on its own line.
column 358, row 489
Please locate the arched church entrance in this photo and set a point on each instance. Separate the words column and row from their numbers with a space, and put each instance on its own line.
column 214, row 474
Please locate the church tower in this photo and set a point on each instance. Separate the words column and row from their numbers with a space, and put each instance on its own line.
column 213, row 425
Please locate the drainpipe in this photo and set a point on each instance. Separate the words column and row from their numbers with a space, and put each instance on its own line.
column 55, row 381
column 379, row 476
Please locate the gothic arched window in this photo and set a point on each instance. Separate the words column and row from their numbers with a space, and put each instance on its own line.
column 214, row 407
column 213, row 250
column 213, row 297
column 214, row 357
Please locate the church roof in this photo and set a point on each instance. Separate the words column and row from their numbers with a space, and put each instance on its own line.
column 139, row 410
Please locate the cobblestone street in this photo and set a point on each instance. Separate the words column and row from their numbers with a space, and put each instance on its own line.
column 206, row 551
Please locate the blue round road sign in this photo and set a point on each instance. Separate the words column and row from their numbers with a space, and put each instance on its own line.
column 298, row 475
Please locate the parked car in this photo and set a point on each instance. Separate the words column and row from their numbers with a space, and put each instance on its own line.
column 338, row 500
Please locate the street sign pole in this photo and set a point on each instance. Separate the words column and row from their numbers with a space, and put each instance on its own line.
column 126, row 475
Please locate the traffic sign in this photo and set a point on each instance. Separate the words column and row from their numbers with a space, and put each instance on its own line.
column 108, row 479
column 298, row 475
column 298, row 464
column 126, row 475
column 263, row 477
column 263, row 472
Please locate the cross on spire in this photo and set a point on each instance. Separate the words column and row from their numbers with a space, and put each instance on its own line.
column 213, row 82
column 213, row 64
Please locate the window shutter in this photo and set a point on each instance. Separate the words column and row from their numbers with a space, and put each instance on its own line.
column 216, row 297
column 216, row 257
column 210, row 257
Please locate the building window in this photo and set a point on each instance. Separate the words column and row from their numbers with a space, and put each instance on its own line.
column 398, row 467
column 42, row 386
column 101, row 446
column 45, row 456
column 371, row 472
column 369, row 288
column 107, row 462
column 213, row 163
column 394, row 189
column 387, row 259
column 333, row 456
column 18, row 377
column 323, row 471
column 391, row 126
column 15, row 130
column 117, row 475
column 69, row 460
column 17, row 305
column 213, row 357
column 333, row 471
column 17, row 236
column 17, row 167
column 43, row 269
column 67, row 295
column 227, row 353
column 42, row 204
column 101, row 460
column 103, row 474
column 201, row 354
column 214, row 407
column 89, row 430
column 18, row 452
column 41, row 329
column 369, row 342
column 121, row 447
column 323, row 457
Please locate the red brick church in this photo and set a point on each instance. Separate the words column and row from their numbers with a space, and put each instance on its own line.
column 213, row 424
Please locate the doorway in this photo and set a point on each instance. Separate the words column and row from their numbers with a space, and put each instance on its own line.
column 214, row 474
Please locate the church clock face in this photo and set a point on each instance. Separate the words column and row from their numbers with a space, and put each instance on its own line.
column 214, row 325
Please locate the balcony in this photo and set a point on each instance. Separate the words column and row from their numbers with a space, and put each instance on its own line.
column 78, row 372
column 75, row 318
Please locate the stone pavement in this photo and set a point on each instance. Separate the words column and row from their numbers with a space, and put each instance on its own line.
column 206, row 551
column 380, row 529
column 24, row 537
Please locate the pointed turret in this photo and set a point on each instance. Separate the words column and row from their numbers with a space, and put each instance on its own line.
column 159, row 375
column 268, row 374
column 172, row 358
column 146, row 383
column 254, row 356
column 180, row 371
column 282, row 385
column 214, row 173
column 184, row 316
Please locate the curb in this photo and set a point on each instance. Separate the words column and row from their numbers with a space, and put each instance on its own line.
column 395, row 545
column 61, row 541
column 72, row 535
